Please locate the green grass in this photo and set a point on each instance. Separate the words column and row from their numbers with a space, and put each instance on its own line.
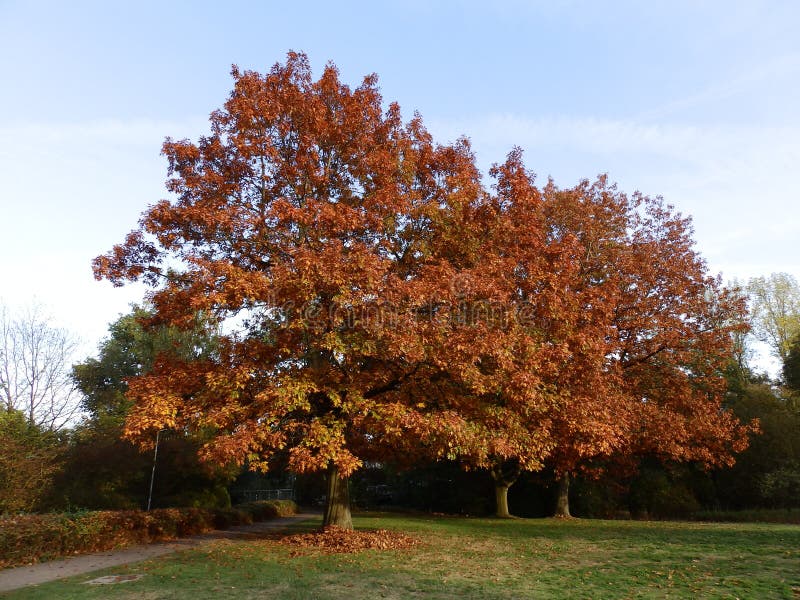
column 481, row 558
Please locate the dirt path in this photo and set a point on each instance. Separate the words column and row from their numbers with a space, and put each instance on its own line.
column 18, row 577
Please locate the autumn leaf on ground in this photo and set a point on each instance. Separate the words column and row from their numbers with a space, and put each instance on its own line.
column 335, row 540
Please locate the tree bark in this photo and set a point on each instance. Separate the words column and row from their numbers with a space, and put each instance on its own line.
column 504, row 476
column 501, row 497
column 337, row 503
column 562, row 497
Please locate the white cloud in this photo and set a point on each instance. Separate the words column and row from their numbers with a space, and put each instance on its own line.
column 702, row 146
column 118, row 132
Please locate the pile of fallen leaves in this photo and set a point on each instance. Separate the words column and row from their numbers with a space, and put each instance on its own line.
column 335, row 540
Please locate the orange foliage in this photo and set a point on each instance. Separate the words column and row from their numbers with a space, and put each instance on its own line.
column 380, row 302
column 638, row 334
column 333, row 236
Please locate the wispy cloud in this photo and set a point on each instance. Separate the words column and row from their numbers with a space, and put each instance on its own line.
column 781, row 72
column 722, row 154
column 114, row 131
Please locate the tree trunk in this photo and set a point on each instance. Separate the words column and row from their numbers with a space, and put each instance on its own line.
column 337, row 504
column 501, row 497
column 504, row 475
column 562, row 497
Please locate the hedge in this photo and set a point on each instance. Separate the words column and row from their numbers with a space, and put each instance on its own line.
column 27, row 539
column 756, row 515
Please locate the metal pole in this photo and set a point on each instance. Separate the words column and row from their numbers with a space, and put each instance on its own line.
column 153, row 473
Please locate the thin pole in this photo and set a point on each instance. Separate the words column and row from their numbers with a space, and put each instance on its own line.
column 153, row 473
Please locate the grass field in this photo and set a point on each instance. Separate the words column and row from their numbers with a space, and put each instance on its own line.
column 480, row 558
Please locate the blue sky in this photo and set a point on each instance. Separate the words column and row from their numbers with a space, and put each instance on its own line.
column 695, row 101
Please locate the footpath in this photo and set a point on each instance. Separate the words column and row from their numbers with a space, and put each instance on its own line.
column 19, row 577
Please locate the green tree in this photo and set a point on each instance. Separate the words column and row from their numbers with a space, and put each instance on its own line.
column 791, row 366
column 775, row 308
column 767, row 470
column 104, row 471
column 131, row 349
column 29, row 458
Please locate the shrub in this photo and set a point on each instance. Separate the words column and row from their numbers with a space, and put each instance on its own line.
column 762, row 515
column 27, row 539
column 662, row 494
column 269, row 509
column 229, row 517
column 29, row 459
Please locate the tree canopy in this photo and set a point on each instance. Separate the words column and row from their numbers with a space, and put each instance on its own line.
column 130, row 350
column 309, row 214
column 775, row 307
column 791, row 366
column 34, row 368
column 631, row 337
column 376, row 301
column 30, row 456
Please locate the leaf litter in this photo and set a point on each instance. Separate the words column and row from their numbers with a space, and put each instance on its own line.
column 335, row 540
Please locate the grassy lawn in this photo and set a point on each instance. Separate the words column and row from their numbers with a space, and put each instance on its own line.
column 480, row 558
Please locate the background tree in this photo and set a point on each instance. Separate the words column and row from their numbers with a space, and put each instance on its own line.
column 489, row 256
column 101, row 470
column 619, row 338
column 35, row 358
column 740, row 369
column 791, row 366
column 767, row 473
column 29, row 459
column 638, row 335
column 775, row 308
column 131, row 349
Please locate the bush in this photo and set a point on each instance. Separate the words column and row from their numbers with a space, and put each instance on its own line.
column 269, row 509
column 30, row 538
column 763, row 515
column 230, row 517
column 662, row 494
column 597, row 499
column 29, row 459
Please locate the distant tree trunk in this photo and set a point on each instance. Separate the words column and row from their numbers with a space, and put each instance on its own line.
column 562, row 497
column 504, row 475
column 501, row 497
column 337, row 503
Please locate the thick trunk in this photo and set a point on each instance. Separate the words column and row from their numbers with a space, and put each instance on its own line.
column 501, row 496
column 337, row 504
column 562, row 497
column 504, row 475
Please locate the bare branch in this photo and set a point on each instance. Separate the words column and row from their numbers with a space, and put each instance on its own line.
column 35, row 361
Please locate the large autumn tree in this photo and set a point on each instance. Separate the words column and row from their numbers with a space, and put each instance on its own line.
column 324, row 235
column 648, row 335
column 630, row 335
column 377, row 301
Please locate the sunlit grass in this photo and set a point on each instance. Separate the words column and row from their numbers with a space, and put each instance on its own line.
column 482, row 558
